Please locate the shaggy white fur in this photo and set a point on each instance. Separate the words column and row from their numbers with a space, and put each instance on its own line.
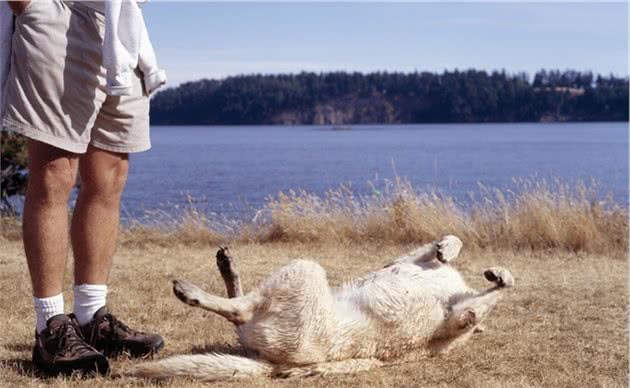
column 294, row 324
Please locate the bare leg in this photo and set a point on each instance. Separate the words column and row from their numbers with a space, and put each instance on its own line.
column 96, row 216
column 445, row 250
column 231, row 277
column 52, row 174
column 236, row 310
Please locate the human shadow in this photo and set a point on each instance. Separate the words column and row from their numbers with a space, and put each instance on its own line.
column 22, row 367
column 19, row 347
column 25, row 367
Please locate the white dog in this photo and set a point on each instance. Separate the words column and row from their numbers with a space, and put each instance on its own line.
column 293, row 324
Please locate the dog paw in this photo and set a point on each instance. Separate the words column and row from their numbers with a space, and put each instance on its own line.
column 186, row 292
column 501, row 276
column 448, row 248
column 225, row 262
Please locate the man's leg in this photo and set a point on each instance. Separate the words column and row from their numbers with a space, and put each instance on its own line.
column 95, row 225
column 94, row 232
column 52, row 174
column 58, row 347
column 96, row 215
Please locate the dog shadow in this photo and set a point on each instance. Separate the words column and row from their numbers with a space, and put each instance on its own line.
column 222, row 348
column 22, row 367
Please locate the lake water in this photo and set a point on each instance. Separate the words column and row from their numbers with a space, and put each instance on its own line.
column 231, row 170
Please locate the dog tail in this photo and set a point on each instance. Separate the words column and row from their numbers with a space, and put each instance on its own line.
column 208, row 367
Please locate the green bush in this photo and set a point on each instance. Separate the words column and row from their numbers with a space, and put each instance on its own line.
column 13, row 156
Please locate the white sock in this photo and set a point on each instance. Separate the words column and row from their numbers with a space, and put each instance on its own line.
column 46, row 308
column 88, row 298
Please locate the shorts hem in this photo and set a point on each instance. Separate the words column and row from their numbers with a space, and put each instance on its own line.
column 121, row 149
column 38, row 135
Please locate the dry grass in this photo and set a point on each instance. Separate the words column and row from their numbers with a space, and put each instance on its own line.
column 563, row 325
column 539, row 215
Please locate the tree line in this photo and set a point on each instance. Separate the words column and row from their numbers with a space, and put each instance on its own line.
column 394, row 97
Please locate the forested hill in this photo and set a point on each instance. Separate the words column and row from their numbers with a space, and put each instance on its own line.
column 357, row 98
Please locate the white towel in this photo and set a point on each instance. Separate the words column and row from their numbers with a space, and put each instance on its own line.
column 6, row 32
column 127, row 46
column 154, row 77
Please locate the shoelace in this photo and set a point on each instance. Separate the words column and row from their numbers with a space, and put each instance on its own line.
column 115, row 328
column 70, row 341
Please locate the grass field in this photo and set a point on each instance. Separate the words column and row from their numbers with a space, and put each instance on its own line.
column 563, row 325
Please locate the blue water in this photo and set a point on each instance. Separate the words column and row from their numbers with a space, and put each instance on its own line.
column 231, row 170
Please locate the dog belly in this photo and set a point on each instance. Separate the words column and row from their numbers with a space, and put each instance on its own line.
column 284, row 344
column 294, row 324
column 403, row 281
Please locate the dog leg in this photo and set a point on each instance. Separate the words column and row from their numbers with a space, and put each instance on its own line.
column 448, row 248
column 474, row 309
column 470, row 312
column 231, row 277
column 425, row 253
column 499, row 276
column 444, row 250
column 237, row 310
column 329, row 368
column 461, row 323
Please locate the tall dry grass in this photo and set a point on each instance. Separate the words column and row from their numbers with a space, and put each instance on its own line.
column 538, row 215
column 190, row 227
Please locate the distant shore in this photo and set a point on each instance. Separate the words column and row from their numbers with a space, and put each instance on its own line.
column 350, row 126
column 341, row 98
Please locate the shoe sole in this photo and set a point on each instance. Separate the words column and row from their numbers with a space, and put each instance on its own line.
column 93, row 365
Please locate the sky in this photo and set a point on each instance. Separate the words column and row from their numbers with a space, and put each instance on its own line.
column 195, row 40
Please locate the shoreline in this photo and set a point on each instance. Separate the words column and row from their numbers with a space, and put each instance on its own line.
column 543, row 216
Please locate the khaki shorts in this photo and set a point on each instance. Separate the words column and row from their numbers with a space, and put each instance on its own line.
column 56, row 88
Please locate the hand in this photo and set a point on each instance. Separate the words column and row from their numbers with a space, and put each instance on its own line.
column 18, row 6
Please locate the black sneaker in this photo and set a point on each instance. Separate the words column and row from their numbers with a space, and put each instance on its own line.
column 112, row 337
column 60, row 349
